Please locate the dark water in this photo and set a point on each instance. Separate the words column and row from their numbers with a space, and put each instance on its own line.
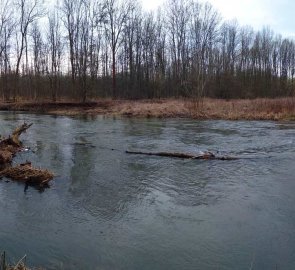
column 110, row 210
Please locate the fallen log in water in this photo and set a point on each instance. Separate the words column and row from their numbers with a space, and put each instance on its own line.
column 11, row 145
column 24, row 172
column 206, row 155
column 17, row 132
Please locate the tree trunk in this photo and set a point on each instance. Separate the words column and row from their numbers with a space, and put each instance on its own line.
column 114, row 75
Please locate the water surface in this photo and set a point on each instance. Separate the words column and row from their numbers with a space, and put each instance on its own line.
column 109, row 210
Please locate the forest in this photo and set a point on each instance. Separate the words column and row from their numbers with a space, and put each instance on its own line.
column 87, row 49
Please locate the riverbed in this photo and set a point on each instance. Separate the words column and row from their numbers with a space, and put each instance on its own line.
column 106, row 209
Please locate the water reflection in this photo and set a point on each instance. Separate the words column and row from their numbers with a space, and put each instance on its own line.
column 110, row 210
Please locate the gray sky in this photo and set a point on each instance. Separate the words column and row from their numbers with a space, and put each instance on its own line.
column 278, row 14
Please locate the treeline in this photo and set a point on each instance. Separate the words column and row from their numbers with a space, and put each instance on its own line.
column 82, row 49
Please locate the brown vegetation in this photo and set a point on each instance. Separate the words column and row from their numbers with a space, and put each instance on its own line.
column 238, row 109
column 27, row 174
column 23, row 172
column 20, row 265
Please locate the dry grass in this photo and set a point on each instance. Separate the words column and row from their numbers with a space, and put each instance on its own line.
column 152, row 108
column 256, row 109
column 20, row 265
column 26, row 173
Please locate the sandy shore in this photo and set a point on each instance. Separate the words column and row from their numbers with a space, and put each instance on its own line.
column 257, row 109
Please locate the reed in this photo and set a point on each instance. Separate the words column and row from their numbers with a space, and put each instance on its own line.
column 20, row 265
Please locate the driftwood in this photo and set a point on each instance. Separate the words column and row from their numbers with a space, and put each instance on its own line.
column 16, row 133
column 13, row 139
column 11, row 145
column 24, row 172
column 206, row 155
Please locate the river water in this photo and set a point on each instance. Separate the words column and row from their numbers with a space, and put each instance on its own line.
column 110, row 210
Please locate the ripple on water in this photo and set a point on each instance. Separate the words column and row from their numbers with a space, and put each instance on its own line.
column 110, row 210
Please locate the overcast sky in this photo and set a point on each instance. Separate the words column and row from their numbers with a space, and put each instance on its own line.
column 278, row 14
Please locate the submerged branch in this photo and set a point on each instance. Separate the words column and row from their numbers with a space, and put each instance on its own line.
column 206, row 155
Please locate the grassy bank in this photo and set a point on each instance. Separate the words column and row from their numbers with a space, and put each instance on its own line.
column 257, row 109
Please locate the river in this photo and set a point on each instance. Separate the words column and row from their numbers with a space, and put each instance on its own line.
column 106, row 209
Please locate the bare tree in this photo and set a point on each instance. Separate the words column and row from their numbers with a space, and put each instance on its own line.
column 54, row 37
column 178, row 18
column 84, row 47
column 71, row 11
column 93, row 48
column 204, row 30
column 38, row 48
column 115, row 16
column 29, row 11
column 7, row 25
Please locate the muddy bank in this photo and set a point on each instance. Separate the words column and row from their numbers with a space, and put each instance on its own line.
column 257, row 109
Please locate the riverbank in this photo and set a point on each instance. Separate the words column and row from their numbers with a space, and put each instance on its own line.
column 256, row 109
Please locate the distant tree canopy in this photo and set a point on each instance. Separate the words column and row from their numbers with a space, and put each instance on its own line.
column 83, row 49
